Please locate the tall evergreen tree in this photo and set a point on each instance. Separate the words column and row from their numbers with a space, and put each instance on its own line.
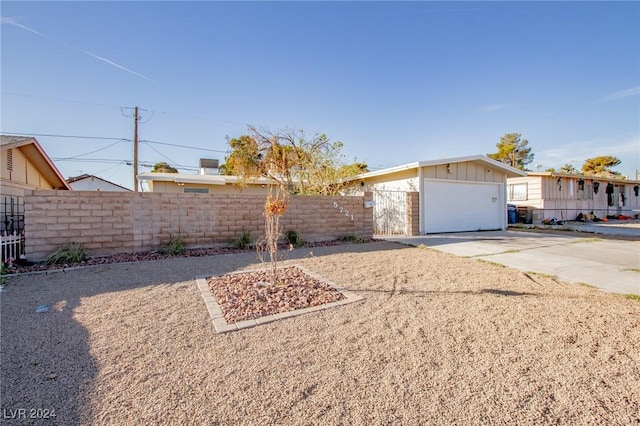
column 513, row 150
column 601, row 166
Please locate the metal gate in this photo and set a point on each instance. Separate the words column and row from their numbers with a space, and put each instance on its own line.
column 390, row 213
column 11, row 228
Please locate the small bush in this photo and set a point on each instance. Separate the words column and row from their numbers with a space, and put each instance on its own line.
column 351, row 238
column 176, row 247
column 70, row 253
column 293, row 238
column 243, row 241
column 5, row 269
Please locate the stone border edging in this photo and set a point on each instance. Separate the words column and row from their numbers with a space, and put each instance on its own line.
column 221, row 325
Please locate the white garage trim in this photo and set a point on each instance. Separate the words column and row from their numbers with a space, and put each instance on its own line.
column 458, row 206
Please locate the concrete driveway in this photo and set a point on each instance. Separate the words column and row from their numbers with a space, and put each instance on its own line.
column 608, row 264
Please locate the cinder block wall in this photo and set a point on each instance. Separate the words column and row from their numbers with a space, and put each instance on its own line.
column 413, row 213
column 117, row 222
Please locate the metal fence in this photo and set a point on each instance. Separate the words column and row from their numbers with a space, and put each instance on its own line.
column 11, row 227
column 390, row 213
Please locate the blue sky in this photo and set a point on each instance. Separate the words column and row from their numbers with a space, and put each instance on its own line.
column 396, row 82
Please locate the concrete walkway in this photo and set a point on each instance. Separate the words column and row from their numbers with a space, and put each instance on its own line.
column 608, row 264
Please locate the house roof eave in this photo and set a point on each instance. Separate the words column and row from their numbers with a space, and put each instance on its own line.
column 508, row 170
column 32, row 149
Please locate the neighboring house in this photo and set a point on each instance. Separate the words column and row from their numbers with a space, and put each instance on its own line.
column 452, row 195
column 94, row 183
column 201, row 184
column 24, row 166
column 546, row 195
column 209, row 181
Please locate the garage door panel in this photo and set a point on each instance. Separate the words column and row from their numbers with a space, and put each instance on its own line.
column 462, row 206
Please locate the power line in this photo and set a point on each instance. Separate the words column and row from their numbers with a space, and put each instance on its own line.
column 142, row 163
column 92, row 160
column 185, row 146
column 114, row 139
column 161, row 154
column 92, row 152
column 66, row 136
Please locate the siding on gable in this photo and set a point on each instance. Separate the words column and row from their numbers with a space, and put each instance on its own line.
column 465, row 171
column 23, row 174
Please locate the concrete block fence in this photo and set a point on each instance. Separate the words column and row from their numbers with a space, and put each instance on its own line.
column 117, row 222
column 413, row 213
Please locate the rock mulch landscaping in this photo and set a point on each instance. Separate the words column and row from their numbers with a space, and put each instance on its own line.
column 437, row 339
column 250, row 295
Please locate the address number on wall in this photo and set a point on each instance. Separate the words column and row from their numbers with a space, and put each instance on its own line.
column 342, row 210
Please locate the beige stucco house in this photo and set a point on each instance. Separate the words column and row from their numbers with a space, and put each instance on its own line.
column 453, row 195
column 547, row 195
column 182, row 183
column 23, row 166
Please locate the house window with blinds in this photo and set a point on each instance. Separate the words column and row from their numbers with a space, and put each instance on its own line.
column 517, row 192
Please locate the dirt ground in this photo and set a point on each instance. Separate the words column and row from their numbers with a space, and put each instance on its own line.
column 438, row 339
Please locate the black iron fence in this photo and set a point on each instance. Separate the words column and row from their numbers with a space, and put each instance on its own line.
column 11, row 228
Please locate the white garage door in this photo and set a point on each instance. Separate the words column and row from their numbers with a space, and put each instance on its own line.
column 455, row 206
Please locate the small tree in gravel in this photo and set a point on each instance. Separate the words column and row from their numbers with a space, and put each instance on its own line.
column 295, row 164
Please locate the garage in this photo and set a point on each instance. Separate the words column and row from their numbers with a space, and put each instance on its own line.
column 446, row 195
column 458, row 206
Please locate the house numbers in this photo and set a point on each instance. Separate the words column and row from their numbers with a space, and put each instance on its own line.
column 342, row 210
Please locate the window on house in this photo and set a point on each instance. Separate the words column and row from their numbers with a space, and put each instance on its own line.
column 517, row 192
column 586, row 193
column 190, row 190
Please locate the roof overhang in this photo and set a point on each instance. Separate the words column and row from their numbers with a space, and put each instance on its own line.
column 198, row 179
column 588, row 177
column 489, row 162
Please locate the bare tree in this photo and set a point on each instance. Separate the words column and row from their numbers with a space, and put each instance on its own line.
column 295, row 164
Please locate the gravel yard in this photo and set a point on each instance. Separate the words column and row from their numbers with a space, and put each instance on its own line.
column 438, row 339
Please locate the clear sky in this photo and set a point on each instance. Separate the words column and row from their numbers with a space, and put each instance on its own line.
column 396, row 82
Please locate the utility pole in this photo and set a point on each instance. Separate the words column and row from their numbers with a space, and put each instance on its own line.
column 135, row 149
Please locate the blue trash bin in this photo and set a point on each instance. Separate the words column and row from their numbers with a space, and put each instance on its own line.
column 512, row 214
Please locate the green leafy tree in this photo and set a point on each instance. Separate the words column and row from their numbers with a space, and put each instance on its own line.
column 568, row 169
column 513, row 150
column 601, row 166
column 163, row 167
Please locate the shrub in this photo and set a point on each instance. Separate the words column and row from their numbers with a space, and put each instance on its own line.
column 293, row 238
column 5, row 269
column 351, row 238
column 243, row 241
column 70, row 253
column 176, row 247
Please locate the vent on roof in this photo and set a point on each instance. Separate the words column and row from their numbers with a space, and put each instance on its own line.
column 209, row 166
column 10, row 159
